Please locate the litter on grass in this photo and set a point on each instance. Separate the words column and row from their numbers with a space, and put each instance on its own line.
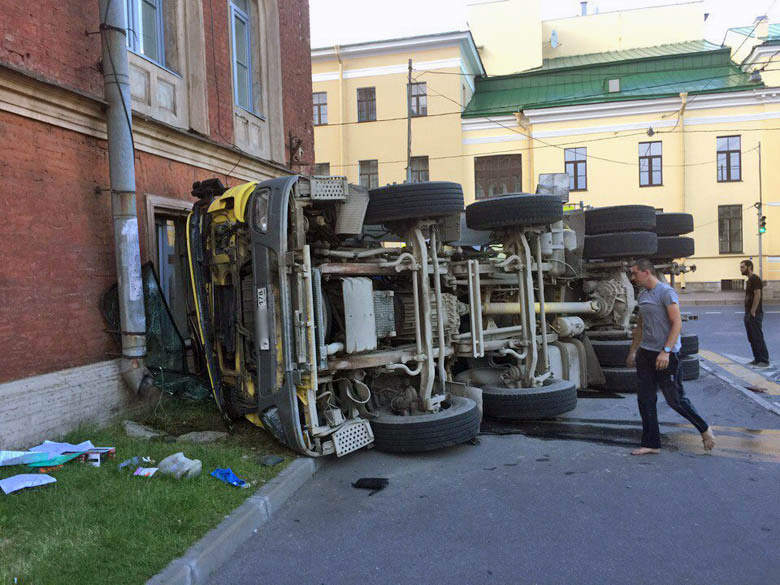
column 24, row 480
column 55, row 448
column 145, row 471
column 270, row 460
column 227, row 476
column 20, row 457
column 179, row 466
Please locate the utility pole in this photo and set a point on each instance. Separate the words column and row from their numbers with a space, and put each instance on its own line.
column 409, row 125
column 760, row 217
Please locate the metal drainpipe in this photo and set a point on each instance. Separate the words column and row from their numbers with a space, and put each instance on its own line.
column 116, row 84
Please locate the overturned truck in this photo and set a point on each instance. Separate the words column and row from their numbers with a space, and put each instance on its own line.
column 338, row 318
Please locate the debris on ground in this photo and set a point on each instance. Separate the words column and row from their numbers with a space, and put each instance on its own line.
column 270, row 460
column 139, row 431
column 179, row 466
column 757, row 389
column 227, row 476
column 55, row 448
column 202, row 437
column 8, row 458
column 24, row 480
column 145, row 471
column 376, row 484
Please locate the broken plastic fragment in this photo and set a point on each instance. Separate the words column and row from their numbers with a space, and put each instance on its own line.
column 227, row 476
column 375, row 484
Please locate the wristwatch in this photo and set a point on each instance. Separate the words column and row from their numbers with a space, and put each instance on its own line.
column 667, row 349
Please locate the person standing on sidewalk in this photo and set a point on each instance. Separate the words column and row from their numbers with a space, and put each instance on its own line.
column 655, row 353
column 754, row 315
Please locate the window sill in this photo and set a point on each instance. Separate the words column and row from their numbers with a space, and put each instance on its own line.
column 734, row 181
column 658, row 185
column 153, row 62
column 730, row 254
column 578, row 190
column 251, row 113
column 363, row 121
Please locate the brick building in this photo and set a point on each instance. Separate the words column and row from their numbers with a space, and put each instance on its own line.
column 219, row 88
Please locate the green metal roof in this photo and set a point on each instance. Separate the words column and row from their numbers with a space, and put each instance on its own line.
column 748, row 31
column 665, row 70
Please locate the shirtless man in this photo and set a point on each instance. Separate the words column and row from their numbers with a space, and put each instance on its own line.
column 655, row 352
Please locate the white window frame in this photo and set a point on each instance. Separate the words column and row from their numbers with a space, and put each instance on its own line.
column 236, row 12
column 135, row 37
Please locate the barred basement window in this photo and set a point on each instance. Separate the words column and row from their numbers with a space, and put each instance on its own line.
column 730, row 229
column 322, row 169
column 368, row 170
column 499, row 174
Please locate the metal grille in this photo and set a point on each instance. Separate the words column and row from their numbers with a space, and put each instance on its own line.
column 352, row 437
column 330, row 188
column 384, row 313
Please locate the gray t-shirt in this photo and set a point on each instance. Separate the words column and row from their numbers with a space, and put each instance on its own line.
column 655, row 319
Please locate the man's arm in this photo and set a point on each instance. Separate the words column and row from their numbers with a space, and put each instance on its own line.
column 756, row 300
column 636, row 339
column 675, row 320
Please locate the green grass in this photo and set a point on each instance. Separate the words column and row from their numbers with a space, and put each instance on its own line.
column 102, row 525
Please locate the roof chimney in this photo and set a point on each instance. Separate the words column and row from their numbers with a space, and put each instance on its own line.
column 762, row 26
column 583, row 8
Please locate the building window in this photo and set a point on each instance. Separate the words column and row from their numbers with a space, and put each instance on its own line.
column 369, row 173
column 729, row 158
column 145, row 29
column 418, row 98
column 576, row 168
column 320, row 99
column 730, row 229
column 322, row 169
column 650, row 164
column 496, row 175
column 419, row 169
column 242, row 53
column 366, row 104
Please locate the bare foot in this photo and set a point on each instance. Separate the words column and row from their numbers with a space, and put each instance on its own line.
column 645, row 451
column 708, row 439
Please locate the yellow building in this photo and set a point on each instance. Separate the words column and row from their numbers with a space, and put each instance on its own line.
column 675, row 125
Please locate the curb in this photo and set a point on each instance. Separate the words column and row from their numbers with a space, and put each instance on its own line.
column 732, row 381
column 219, row 544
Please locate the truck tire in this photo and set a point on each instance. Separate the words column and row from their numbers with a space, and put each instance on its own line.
column 670, row 247
column 426, row 432
column 413, row 201
column 611, row 352
column 620, row 218
column 620, row 379
column 689, row 344
column 690, row 367
column 514, row 209
column 554, row 398
column 620, row 245
column 673, row 224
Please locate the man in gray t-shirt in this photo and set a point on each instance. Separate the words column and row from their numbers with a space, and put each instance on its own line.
column 655, row 352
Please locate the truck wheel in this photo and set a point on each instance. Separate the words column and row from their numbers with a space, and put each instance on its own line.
column 554, row 398
column 611, row 352
column 621, row 380
column 513, row 210
column 689, row 344
column 413, row 201
column 426, row 432
column 620, row 218
column 673, row 224
column 670, row 247
column 690, row 367
column 620, row 245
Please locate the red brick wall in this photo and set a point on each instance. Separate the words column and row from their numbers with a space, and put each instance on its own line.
column 58, row 244
column 219, row 76
column 296, row 76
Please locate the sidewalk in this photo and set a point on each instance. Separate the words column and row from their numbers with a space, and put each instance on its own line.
column 689, row 298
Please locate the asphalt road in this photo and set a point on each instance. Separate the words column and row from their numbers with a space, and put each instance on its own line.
column 548, row 503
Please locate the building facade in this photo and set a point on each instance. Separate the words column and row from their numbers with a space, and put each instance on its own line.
column 216, row 92
column 662, row 119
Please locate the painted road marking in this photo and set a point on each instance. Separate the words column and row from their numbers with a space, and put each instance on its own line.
column 745, row 374
column 712, row 313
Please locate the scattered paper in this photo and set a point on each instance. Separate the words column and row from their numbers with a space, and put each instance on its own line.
column 24, row 480
column 145, row 471
column 55, row 448
column 20, row 457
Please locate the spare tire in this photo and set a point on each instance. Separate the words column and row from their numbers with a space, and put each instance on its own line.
column 513, row 210
column 620, row 380
column 620, row 245
column 413, row 201
column 673, row 224
column 620, row 218
column 611, row 352
column 689, row 344
column 413, row 434
column 670, row 247
column 553, row 398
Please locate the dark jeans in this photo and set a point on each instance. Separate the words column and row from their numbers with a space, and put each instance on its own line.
column 670, row 383
column 756, row 336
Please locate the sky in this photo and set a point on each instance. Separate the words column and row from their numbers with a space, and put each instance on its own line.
column 353, row 21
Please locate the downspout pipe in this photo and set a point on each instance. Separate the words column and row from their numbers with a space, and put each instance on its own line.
column 116, row 88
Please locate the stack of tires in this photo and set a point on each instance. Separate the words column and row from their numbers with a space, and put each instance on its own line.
column 620, row 232
column 672, row 244
column 613, row 353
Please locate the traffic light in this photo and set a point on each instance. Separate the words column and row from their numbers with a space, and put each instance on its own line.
column 762, row 224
